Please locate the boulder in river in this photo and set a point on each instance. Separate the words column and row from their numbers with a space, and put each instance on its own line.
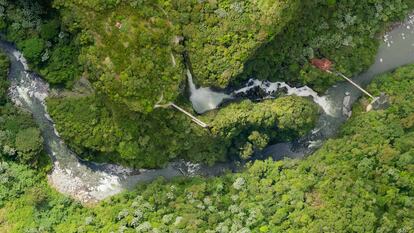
column 346, row 106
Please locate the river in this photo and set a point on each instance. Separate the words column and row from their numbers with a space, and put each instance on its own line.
column 90, row 182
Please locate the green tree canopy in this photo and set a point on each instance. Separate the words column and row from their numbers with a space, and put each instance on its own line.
column 33, row 48
column 29, row 144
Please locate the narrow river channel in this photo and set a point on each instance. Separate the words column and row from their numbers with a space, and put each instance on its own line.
column 90, row 182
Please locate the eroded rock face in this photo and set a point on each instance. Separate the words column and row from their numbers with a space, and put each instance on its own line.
column 382, row 102
column 346, row 106
column 254, row 93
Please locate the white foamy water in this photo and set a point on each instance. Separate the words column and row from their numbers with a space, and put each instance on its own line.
column 84, row 181
column 203, row 98
column 19, row 57
column 399, row 41
column 69, row 175
column 271, row 87
column 89, row 182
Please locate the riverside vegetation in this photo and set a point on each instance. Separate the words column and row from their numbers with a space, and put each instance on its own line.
column 20, row 138
column 362, row 181
column 132, row 54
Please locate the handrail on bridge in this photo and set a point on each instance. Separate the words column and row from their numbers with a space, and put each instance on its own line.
column 192, row 117
column 326, row 65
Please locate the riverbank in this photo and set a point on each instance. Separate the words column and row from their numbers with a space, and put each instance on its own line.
column 360, row 181
column 90, row 183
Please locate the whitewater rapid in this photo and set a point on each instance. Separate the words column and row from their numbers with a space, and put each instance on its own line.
column 205, row 99
column 396, row 49
column 90, row 182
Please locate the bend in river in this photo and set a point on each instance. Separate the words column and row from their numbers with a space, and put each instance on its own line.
column 396, row 50
column 91, row 182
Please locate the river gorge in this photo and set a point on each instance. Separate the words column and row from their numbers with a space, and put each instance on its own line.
column 90, row 182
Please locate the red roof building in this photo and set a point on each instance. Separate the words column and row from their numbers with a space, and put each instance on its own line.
column 322, row 64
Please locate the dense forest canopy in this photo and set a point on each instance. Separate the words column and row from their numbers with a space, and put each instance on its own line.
column 20, row 138
column 110, row 61
column 138, row 46
column 143, row 141
column 361, row 181
column 134, row 54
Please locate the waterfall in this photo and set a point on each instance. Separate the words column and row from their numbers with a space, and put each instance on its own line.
column 203, row 98
column 272, row 87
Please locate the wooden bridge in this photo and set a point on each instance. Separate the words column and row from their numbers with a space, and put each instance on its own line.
column 192, row 117
column 322, row 64
column 326, row 65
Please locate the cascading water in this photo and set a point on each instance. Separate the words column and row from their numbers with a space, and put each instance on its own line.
column 305, row 91
column 90, row 182
column 397, row 50
column 85, row 181
column 203, row 98
column 69, row 176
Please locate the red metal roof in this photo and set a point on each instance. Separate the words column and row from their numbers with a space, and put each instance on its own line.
column 322, row 64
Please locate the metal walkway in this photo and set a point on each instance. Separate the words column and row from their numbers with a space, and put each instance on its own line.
column 192, row 117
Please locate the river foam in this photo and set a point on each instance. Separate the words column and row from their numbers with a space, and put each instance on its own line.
column 204, row 98
column 88, row 182
column 305, row 91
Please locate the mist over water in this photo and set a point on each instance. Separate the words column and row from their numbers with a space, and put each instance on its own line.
column 204, row 99
column 396, row 50
column 91, row 182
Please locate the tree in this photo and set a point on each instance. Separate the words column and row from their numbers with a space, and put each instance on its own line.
column 50, row 30
column 29, row 144
column 4, row 68
column 63, row 67
column 32, row 49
